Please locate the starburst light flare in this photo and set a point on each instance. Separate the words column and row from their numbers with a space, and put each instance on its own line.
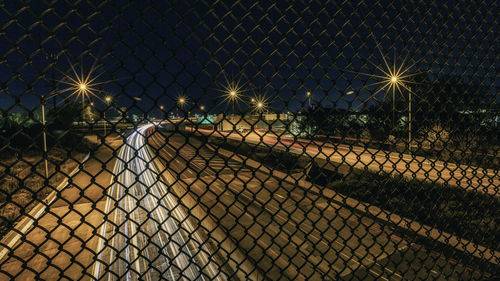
column 393, row 79
column 82, row 86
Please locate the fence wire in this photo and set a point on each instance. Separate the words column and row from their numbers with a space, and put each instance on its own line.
column 249, row 140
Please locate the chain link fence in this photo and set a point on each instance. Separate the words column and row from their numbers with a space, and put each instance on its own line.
column 249, row 140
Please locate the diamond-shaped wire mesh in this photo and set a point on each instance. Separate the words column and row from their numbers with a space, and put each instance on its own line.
column 249, row 140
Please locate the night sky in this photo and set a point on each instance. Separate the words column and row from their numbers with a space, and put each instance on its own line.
column 158, row 50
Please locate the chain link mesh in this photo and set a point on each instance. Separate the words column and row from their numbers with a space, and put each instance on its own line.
column 249, row 140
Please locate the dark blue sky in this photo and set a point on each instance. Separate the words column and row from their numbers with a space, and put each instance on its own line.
column 158, row 49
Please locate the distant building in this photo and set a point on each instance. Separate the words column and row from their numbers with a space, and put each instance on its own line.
column 205, row 119
column 267, row 121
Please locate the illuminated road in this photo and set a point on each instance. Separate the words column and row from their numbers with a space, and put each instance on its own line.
column 465, row 176
column 147, row 234
column 289, row 233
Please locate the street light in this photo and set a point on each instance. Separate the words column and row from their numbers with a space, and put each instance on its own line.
column 107, row 100
column 80, row 85
column 44, row 137
column 260, row 104
column 182, row 101
column 309, row 94
column 233, row 96
column 232, row 90
column 409, row 117
column 81, row 88
column 394, row 78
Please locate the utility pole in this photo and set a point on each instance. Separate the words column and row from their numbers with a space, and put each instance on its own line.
column 409, row 119
column 44, row 135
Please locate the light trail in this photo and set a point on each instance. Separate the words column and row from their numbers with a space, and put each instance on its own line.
column 148, row 235
column 353, row 256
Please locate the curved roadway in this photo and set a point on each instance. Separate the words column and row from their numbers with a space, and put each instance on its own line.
column 147, row 233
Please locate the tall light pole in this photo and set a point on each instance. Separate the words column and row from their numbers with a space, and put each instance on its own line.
column 107, row 99
column 53, row 59
column 409, row 118
column 232, row 97
column 309, row 94
column 394, row 81
column 181, row 102
column 44, row 136
column 162, row 113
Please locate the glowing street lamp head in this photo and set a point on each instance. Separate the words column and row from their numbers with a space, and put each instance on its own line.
column 162, row 107
column 308, row 93
column 107, row 99
column 182, row 101
column 395, row 77
column 83, row 85
column 232, row 92
column 202, row 107
column 260, row 104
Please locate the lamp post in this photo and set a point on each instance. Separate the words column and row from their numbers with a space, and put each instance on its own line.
column 107, row 99
column 53, row 59
column 394, row 81
column 162, row 113
column 309, row 94
column 233, row 96
column 409, row 118
column 181, row 102
column 44, row 136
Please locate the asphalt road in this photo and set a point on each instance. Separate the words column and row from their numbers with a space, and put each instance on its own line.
column 147, row 235
column 465, row 176
column 284, row 230
column 289, row 233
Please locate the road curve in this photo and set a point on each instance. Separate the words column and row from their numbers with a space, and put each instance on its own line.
column 146, row 234
column 411, row 166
